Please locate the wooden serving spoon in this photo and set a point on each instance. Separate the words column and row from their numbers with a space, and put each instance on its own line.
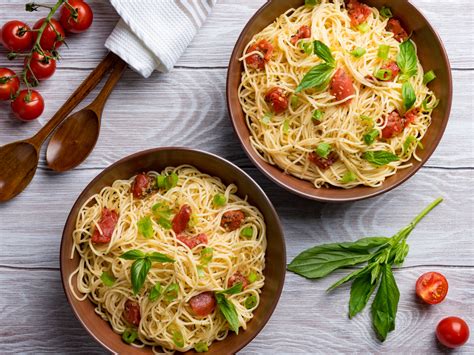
column 19, row 160
column 76, row 137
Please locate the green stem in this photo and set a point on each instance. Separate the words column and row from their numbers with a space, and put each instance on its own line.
column 427, row 210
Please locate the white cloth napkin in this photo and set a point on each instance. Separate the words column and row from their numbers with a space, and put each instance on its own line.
column 153, row 34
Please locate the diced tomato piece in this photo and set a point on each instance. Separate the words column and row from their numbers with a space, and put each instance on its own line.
column 181, row 219
column 392, row 66
column 398, row 31
column 236, row 278
column 358, row 12
column 341, row 86
column 411, row 115
column 278, row 100
column 232, row 220
column 141, row 186
column 256, row 61
column 303, row 32
column 131, row 313
column 323, row 163
column 192, row 241
column 394, row 126
column 107, row 223
column 203, row 304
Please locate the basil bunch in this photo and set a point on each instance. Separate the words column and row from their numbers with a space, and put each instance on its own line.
column 227, row 308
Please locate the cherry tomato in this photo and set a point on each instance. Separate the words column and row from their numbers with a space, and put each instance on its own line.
column 17, row 36
column 53, row 35
column 9, row 84
column 452, row 332
column 28, row 106
column 78, row 22
column 41, row 66
column 432, row 287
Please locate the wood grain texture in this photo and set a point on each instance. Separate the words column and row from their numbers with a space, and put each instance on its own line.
column 187, row 107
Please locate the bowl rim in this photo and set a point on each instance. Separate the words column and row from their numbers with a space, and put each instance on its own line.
column 263, row 166
column 271, row 209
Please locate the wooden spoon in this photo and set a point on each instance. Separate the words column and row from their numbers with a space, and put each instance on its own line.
column 75, row 139
column 19, row 160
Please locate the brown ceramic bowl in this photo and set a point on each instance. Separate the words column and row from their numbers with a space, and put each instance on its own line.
column 432, row 55
column 158, row 159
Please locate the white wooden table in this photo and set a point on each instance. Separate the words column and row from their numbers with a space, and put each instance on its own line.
column 187, row 107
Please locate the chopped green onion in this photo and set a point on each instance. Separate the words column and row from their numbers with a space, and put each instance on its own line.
column 129, row 335
column 317, row 115
column 294, row 101
column 167, row 181
column 323, row 150
column 165, row 223
column 219, row 200
column 426, row 103
column 386, row 12
column 252, row 277
column 286, row 126
column 369, row 138
column 363, row 27
column 251, row 302
column 145, row 227
column 267, row 118
column 200, row 271
column 155, row 292
column 247, row 232
column 107, row 279
column 311, row 2
column 383, row 51
column 178, row 339
column 161, row 210
column 348, row 177
column 429, row 77
column 206, row 255
column 358, row 52
column 383, row 74
column 160, row 181
column 308, row 47
column 201, row 347
column 171, row 292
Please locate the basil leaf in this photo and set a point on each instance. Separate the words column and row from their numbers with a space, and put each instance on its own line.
column 407, row 60
column 133, row 255
column 401, row 253
column 361, row 290
column 408, row 95
column 317, row 77
column 227, row 309
column 155, row 292
column 145, row 227
column 201, row 347
column 107, row 279
column 158, row 257
column 323, row 52
column 171, row 292
column 365, row 244
column 379, row 157
column 384, row 307
column 237, row 288
column 140, row 269
column 347, row 278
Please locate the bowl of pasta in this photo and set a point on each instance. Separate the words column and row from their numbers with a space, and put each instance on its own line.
column 173, row 249
column 339, row 100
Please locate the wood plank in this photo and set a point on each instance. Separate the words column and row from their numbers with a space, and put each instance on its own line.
column 40, row 320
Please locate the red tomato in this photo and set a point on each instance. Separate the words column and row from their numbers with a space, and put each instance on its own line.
column 256, row 61
column 358, row 12
column 393, row 67
column 303, row 32
column 394, row 126
column 203, row 304
column 9, row 84
column 398, row 31
column 79, row 21
column 17, row 36
column 277, row 99
column 53, row 35
column 432, row 287
column 28, row 106
column 41, row 66
column 452, row 332
column 411, row 115
column 341, row 86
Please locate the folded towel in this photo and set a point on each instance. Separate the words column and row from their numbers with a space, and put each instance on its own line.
column 153, row 34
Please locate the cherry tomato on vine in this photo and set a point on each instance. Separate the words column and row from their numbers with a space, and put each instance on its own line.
column 53, row 35
column 9, row 84
column 17, row 36
column 41, row 66
column 28, row 106
column 452, row 332
column 432, row 287
column 76, row 22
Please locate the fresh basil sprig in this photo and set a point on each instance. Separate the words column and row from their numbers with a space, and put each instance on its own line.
column 142, row 264
column 227, row 308
column 323, row 52
column 407, row 60
column 408, row 95
column 381, row 254
column 379, row 157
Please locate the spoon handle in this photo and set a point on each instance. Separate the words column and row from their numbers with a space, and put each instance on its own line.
column 99, row 102
column 77, row 96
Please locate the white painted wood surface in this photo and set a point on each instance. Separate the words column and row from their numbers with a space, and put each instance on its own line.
column 187, row 107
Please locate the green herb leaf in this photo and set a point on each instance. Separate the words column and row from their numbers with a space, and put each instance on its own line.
column 237, row 288
column 348, row 177
column 250, row 302
column 247, row 232
column 408, row 95
column 178, row 339
column 201, row 347
column 370, row 137
column 171, row 292
column 386, row 12
column 384, row 307
column 140, row 270
column 229, row 312
column 318, row 77
column 379, row 157
column 129, row 335
column 159, row 257
column 407, row 60
column 219, row 200
column 358, row 52
column 365, row 244
column 361, row 290
column 323, row 150
column 347, row 278
column 429, row 77
column 410, row 139
column 206, row 255
column 323, row 52
column 107, row 279
column 401, row 253
column 133, row 255
column 155, row 292
column 363, row 27
column 317, row 115
column 145, row 227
